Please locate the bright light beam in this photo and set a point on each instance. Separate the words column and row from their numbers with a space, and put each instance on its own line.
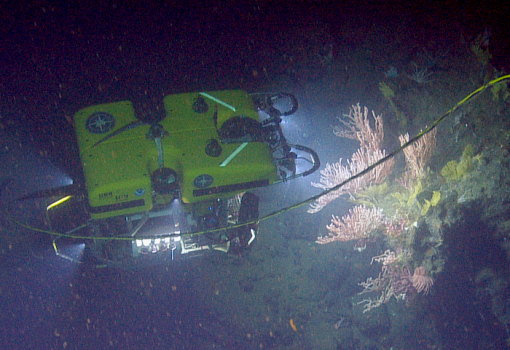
column 71, row 252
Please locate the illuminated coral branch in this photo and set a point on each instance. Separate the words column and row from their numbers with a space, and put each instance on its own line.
column 336, row 173
column 331, row 176
column 387, row 258
column 393, row 281
column 358, row 127
column 358, row 224
column 418, row 154
column 396, row 226
column 363, row 158
column 378, row 284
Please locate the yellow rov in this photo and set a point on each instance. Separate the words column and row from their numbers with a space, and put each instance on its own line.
column 171, row 188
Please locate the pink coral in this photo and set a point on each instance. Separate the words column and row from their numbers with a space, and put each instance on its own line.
column 355, row 126
column 358, row 224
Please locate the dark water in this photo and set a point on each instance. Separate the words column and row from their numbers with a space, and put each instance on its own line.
column 60, row 57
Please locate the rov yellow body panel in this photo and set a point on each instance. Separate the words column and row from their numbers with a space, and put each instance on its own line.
column 119, row 158
column 116, row 173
